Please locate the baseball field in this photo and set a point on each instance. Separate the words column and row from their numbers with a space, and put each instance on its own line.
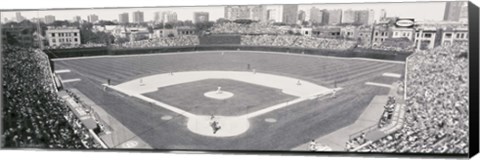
column 262, row 100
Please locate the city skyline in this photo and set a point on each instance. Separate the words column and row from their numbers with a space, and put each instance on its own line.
column 215, row 12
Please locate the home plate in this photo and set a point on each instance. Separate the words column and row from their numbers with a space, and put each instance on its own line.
column 130, row 144
column 230, row 126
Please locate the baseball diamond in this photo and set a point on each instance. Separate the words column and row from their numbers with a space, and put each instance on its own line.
column 276, row 101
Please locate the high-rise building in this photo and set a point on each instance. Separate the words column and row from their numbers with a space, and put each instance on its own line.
column 371, row 17
column 19, row 17
column 334, row 16
column 35, row 20
column 92, row 18
column 137, row 17
column 273, row 13
column 362, row 17
column 200, row 17
column 349, row 16
column 237, row 12
column 172, row 17
column 49, row 19
column 316, row 16
column 77, row 19
column 123, row 18
column 165, row 17
column 255, row 12
column 258, row 13
column 157, row 17
column 464, row 13
column 452, row 10
column 383, row 14
column 290, row 12
column 302, row 15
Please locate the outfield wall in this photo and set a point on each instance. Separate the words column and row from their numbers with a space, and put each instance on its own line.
column 356, row 52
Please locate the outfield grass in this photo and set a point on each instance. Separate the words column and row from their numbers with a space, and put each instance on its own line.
column 320, row 70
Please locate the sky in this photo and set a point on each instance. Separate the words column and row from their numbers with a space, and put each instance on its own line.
column 415, row 10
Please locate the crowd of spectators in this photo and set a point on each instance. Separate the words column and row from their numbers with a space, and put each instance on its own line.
column 252, row 28
column 189, row 40
column 436, row 119
column 297, row 41
column 388, row 48
column 33, row 114
column 395, row 49
column 87, row 45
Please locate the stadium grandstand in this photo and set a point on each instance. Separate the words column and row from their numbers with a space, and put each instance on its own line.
column 34, row 116
column 436, row 113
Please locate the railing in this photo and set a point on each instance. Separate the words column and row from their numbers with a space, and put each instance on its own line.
column 51, row 74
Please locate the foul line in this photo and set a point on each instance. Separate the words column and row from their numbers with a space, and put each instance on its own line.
column 62, row 71
column 71, row 80
column 378, row 84
column 274, row 107
column 158, row 103
column 394, row 75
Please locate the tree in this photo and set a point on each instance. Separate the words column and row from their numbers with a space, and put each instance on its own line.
column 119, row 40
column 61, row 23
column 150, row 29
column 179, row 23
column 243, row 21
column 105, row 22
column 222, row 20
column 188, row 23
column 10, row 38
column 204, row 26
column 168, row 26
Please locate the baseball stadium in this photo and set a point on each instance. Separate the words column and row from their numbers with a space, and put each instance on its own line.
column 237, row 92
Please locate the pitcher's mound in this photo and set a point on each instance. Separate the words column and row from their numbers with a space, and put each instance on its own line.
column 218, row 95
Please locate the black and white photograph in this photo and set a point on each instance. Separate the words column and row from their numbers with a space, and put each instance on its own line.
column 293, row 78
